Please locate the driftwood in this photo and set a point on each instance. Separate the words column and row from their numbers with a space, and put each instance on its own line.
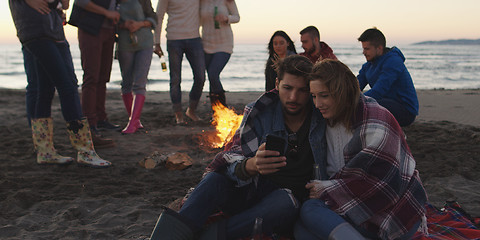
column 172, row 161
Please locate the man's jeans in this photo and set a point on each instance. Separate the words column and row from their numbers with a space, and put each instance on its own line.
column 277, row 207
column 48, row 66
column 215, row 63
column 135, row 66
column 193, row 50
column 401, row 114
column 96, row 53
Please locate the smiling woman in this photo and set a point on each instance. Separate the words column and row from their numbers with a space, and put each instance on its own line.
column 360, row 131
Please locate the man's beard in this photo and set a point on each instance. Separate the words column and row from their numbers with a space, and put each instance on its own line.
column 312, row 50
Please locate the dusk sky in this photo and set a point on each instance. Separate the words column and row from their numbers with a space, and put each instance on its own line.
column 339, row 22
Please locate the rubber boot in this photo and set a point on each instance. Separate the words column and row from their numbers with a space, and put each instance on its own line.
column 127, row 101
column 42, row 135
column 345, row 231
column 134, row 120
column 81, row 139
column 172, row 226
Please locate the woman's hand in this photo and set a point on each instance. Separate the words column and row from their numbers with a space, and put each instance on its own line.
column 221, row 18
column 316, row 188
column 40, row 6
column 265, row 162
column 133, row 26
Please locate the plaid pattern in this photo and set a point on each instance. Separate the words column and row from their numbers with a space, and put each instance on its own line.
column 448, row 223
column 379, row 188
column 244, row 143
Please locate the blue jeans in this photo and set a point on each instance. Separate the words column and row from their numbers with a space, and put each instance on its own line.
column 401, row 114
column 215, row 63
column 48, row 66
column 278, row 208
column 193, row 50
column 134, row 66
column 317, row 221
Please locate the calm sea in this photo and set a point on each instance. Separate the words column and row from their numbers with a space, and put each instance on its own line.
column 431, row 67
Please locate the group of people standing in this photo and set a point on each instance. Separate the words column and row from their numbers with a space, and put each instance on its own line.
column 129, row 24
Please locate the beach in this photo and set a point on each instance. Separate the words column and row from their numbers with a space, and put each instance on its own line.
column 124, row 201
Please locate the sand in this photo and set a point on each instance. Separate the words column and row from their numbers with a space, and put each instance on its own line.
column 124, row 201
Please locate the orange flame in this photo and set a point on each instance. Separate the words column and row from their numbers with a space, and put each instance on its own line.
column 226, row 122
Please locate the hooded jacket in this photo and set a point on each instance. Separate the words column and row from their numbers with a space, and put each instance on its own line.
column 388, row 77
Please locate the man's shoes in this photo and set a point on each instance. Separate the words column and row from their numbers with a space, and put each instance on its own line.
column 100, row 142
column 107, row 125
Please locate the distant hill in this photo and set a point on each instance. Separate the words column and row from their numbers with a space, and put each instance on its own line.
column 451, row 42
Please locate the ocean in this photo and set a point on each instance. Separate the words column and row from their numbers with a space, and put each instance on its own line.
column 431, row 67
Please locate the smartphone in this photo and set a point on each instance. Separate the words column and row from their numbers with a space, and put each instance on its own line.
column 276, row 143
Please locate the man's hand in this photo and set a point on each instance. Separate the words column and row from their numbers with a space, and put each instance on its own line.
column 158, row 50
column 112, row 15
column 316, row 188
column 265, row 162
column 40, row 6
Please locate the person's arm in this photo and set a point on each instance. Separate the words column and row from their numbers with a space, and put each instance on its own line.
column 161, row 10
column 150, row 15
column 234, row 16
column 40, row 6
column 390, row 72
column 114, row 16
column 362, row 80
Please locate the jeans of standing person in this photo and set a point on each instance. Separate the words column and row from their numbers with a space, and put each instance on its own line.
column 96, row 53
column 215, row 63
column 317, row 221
column 278, row 207
column 401, row 114
column 48, row 66
column 134, row 66
column 193, row 50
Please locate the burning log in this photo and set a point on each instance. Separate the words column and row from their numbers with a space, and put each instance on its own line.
column 172, row 161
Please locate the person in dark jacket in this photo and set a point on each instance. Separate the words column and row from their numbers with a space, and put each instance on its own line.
column 390, row 82
column 49, row 67
column 96, row 21
column 315, row 50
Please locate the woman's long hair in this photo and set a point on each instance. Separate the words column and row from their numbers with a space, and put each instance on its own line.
column 343, row 86
column 291, row 45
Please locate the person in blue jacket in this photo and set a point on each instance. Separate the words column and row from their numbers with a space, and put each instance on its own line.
column 390, row 82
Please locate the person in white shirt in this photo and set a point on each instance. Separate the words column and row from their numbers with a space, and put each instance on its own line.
column 183, row 37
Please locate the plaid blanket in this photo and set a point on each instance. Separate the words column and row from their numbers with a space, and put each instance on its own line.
column 451, row 222
column 378, row 188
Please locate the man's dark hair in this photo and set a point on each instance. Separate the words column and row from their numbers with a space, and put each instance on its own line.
column 374, row 36
column 296, row 65
column 312, row 30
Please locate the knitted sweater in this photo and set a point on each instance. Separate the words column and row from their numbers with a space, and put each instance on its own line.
column 183, row 19
column 217, row 40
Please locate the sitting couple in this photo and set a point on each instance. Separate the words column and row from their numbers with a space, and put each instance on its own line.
column 368, row 186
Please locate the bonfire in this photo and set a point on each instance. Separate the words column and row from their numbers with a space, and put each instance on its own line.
column 226, row 122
